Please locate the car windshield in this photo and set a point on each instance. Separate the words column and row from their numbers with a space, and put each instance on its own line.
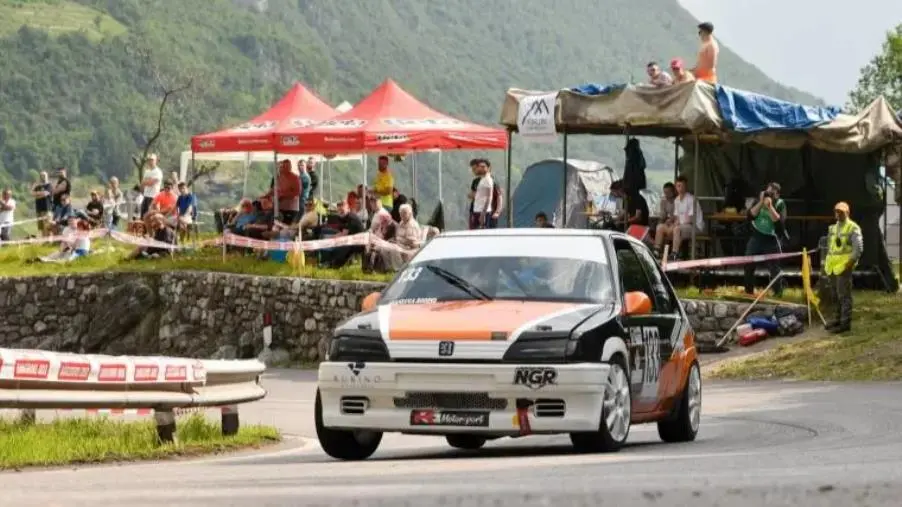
column 522, row 268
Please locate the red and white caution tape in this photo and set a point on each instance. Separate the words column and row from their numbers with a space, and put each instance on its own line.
column 143, row 242
column 361, row 239
column 727, row 261
column 93, row 234
column 20, row 222
column 41, row 366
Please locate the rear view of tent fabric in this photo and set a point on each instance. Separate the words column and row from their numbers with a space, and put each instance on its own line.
column 542, row 190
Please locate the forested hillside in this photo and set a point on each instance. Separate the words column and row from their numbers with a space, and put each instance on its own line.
column 72, row 92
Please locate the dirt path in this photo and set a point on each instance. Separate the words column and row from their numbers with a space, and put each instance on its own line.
column 711, row 362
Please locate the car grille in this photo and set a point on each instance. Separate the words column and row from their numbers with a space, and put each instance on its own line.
column 549, row 408
column 480, row 401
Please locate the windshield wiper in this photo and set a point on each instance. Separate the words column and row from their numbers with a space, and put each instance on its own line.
column 460, row 283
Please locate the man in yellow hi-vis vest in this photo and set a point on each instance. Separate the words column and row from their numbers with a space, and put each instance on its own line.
column 844, row 247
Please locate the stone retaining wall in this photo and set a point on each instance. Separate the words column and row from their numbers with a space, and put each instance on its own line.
column 208, row 314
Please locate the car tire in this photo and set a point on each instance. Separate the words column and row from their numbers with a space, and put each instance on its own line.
column 467, row 442
column 616, row 410
column 683, row 426
column 348, row 445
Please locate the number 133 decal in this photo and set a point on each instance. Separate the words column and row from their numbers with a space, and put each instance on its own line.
column 647, row 361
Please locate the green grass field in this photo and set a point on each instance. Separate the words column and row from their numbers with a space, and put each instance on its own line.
column 95, row 440
column 109, row 255
column 57, row 17
column 872, row 351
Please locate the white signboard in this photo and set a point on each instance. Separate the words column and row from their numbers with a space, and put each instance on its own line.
column 535, row 117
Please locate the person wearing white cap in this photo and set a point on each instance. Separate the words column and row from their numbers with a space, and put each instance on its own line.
column 844, row 247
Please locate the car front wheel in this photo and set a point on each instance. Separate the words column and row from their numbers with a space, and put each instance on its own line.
column 615, row 415
column 683, row 427
column 349, row 445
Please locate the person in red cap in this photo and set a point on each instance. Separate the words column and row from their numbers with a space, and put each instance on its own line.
column 680, row 74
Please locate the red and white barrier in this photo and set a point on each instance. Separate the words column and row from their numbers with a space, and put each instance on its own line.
column 92, row 234
column 136, row 411
column 727, row 261
column 41, row 366
column 361, row 239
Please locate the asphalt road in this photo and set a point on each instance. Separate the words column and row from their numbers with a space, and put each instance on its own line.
column 767, row 444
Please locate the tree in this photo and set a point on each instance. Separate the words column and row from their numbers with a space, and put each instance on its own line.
column 882, row 76
column 168, row 82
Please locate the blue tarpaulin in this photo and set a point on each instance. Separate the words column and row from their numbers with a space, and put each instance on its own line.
column 748, row 112
column 597, row 89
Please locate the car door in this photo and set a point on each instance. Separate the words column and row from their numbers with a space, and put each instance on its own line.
column 645, row 331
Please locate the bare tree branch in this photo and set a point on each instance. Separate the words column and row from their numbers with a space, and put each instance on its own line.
column 168, row 84
column 205, row 170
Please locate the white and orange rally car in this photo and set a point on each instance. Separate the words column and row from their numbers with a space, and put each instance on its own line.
column 511, row 332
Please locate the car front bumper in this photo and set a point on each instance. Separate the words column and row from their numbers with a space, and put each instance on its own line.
column 436, row 398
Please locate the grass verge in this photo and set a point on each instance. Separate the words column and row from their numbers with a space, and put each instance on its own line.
column 109, row 255
column 95, row 440
column 871, row 352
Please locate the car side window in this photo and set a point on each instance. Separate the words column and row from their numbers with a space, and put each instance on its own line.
column 632, row 273
column 662, row 300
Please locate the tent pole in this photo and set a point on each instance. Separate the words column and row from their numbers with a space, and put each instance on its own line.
column 440, row 176
column 413, row 175
column 329, row 171
column 696, row 206
column 676, row 157
column 507, row 162
column 885, row 201
column 275, row 185
column 322, row 167
column 365, row 159
column 564, row 203
column 247, row 168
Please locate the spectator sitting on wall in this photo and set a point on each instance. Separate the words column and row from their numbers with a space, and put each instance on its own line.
column 94, row 209
column 162, row 233
column 242, row 218
column 75, row 243
column 348, row 225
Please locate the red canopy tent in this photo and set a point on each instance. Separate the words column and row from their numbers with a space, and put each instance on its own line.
column 389, row 120
column 298, row 108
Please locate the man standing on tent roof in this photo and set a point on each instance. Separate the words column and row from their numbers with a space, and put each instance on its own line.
column 844, row 247
column 384, row 184
column 706, row 68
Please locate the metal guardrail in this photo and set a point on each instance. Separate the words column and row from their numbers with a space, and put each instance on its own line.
column 35, row 379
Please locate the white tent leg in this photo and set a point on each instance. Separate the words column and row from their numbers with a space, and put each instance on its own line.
column 440, row 176
column 247, row 169
column 329, row 170
column 322, row 167
column 365, row 159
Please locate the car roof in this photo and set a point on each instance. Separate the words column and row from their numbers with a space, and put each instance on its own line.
column 529, row 231
column 539, row 231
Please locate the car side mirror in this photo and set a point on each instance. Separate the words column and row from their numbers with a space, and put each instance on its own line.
column 371, row 301
column 637, row 303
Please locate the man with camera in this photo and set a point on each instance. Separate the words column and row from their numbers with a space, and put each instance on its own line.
column 767, row 217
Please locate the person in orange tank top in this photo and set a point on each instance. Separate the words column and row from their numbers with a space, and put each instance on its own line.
column 706, row 68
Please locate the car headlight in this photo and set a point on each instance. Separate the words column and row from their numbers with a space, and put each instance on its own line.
column 358, row 348
column 542, row 348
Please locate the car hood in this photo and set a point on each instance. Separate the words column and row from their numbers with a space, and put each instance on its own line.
column 475, row 320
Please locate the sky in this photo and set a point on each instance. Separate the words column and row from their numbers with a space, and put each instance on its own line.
column 818, row 46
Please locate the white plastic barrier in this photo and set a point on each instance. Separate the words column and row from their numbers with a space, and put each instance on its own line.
column 35, row 379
